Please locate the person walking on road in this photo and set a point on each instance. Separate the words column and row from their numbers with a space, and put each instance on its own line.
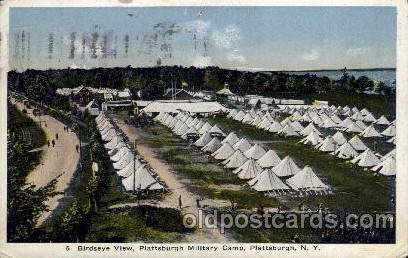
column 56, row 136
column 53, row 143
column 77, row 148
column 179, row 202
column 48, row 143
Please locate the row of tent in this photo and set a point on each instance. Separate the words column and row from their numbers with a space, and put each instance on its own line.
column 335, row 145
column 354, row 150
column 136, row 174
column 292, row 127
column 265, row 170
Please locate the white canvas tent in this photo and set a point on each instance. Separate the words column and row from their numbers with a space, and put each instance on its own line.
column 366, row 159
column 327, row 145
column 203, row 140
column 387, row 167
column 267, row 181
column 357, row 143
column 231, row 138
column 390, row 131
column 382, row 121
column 250, row 169
column 255, row 152
column 286, row 168
column 223, row 152
column 242, row 145
column 269, row 159
column 312, row 139
column 235, row 160
column 346, row 151
column 339, row 138
column 307, row 180
column 141, row 180
column 370, row 132
column 212, row 146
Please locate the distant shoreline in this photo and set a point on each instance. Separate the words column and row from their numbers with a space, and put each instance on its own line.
column 334, row 70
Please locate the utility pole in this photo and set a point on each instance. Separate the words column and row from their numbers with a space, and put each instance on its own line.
column 134, row 168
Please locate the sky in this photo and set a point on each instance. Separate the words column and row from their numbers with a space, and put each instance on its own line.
column 244, row 38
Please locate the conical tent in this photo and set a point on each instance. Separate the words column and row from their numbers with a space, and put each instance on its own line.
column 327, row 145
column 205, row 128
column 129, row 169
column 312, row 139
column 346, row 122
column 353, row 128
column 182, row 130
column 339, row 138
column 250, row 169
column 242, row 145
column 308, row 129
column 346, row 151
column 216, row 130
column 116, row 148
column 369, row 118
column 223, row 152
column 256, row 120
column 231, row 138
column 141, row 180
column 366, row 159
column 232, row 113
column 124, row 161
column 122, row 152
column 269, row 159
column 335, row 119
column 286, row 168
column 357, row 116
column 264, row 124
column 239, row 116
column 191, row 130
column 255, row 152
column 296, row 126
column 370, row 132
column 203, row 140
column 390, row 131
column 275, row 127
column 287, row 130
column 307, row 180
column 199, row 125
column 364, row 112
column 328, row 123
column 235, row 160
column 392, row 153
column 361, row 124
column 212, row 146
column 387, row 167
column 357, row 143
column 267, row 181
column 247, row 118
column 382, row 121
column 392, row 140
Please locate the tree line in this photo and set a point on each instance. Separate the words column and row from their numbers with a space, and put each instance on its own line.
column 152, row 82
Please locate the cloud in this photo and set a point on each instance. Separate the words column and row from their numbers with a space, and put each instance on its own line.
column 202, row 61
column 236, row 58
column 311, row 55
column 196, row 26
column 358, row 51
column 227, row 37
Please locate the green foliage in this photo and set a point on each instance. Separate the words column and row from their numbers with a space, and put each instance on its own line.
column 25, row 202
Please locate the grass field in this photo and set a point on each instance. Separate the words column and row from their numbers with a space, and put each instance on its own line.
column 205, row 175
column 355, row 188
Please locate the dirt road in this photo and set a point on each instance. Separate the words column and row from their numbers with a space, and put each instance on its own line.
column 61, row 159
column 178, row 188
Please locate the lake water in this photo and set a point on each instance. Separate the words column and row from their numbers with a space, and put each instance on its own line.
column 387, row 75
